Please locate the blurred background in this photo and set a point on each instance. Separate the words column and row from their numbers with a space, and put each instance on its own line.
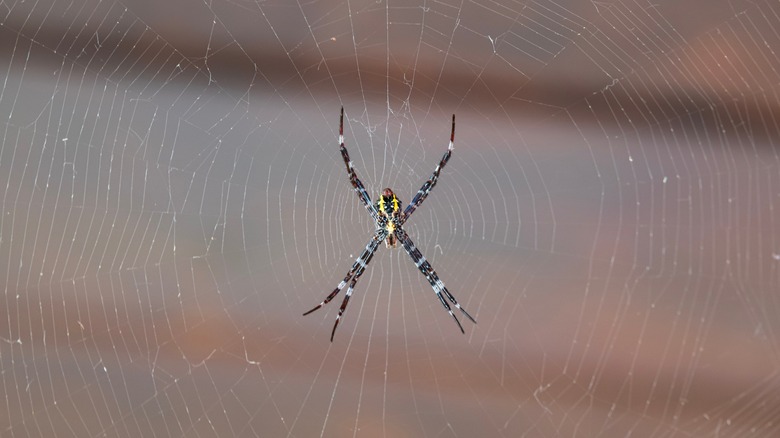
column 172, row 200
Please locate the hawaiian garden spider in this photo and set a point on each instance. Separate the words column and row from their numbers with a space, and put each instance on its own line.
column 389, row 221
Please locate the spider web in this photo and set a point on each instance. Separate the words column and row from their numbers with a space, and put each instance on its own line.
column 174, row 200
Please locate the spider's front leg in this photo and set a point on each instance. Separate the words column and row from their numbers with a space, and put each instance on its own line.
column 431, row 182
column 431, row 276
column 358, row 267
column 357, row 185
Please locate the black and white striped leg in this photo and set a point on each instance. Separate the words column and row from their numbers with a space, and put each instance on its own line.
column 431, row 182
column 427, row 270
column 351, row 287
column 361, row 260
column 354, row 273
column 353, row 178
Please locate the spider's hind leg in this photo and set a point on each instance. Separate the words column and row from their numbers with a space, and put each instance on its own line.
column 332, row 294
column 358, row 267
column 351, row 287
column 427, row 270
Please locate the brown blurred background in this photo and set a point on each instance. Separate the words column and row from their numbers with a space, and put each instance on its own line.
column 173, row 199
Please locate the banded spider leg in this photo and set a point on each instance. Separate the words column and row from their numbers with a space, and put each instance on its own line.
column 427, row 270
column 354, row 273
column 357, row 185
column 431, row 182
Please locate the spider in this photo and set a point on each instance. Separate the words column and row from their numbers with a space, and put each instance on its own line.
column 389, row 227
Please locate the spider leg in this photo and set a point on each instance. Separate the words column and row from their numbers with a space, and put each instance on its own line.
column 358, row 273
column 357, row 185
column 357, row 269
column 431, row 182
column 431, row 276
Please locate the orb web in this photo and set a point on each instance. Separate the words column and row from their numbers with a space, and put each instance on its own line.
column 174, row 199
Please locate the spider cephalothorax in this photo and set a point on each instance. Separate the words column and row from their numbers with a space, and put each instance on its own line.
column 389, row 221
column 389, row 207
